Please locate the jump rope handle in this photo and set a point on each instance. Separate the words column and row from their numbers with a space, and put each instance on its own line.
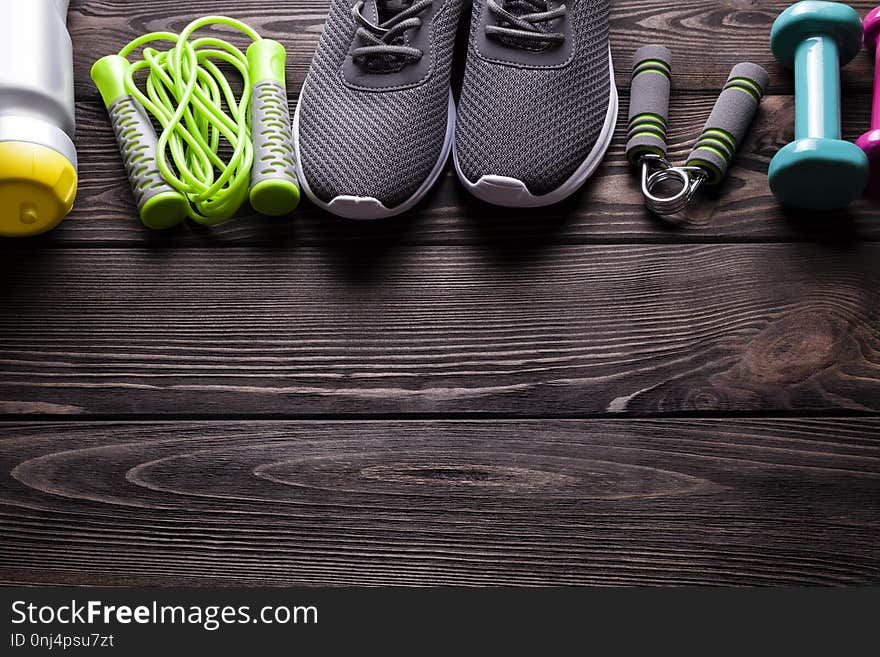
column 729, row 121
column 274, row 190
column 160, row 206
column 649, row 103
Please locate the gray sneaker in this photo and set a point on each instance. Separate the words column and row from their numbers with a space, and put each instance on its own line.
column 376, row 120
column 538, row 105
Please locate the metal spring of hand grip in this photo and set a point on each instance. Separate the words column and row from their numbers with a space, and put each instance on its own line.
column 656, row 171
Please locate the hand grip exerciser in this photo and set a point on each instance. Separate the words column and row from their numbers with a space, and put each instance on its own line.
column 182, row 172
column 38, row 163
column 726, row 128
column 818, row 170
column 870, row 141
column 649, row 105
column 729, row 122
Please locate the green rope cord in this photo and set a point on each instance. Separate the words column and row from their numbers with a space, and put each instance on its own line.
column 193, row 102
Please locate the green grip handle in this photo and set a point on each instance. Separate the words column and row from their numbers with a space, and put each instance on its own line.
column 160, row 206
column 274, row 190
column 267, row 62
column 108, row 74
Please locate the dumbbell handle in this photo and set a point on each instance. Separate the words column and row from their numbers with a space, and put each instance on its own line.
column 649, row 103
column 875, row 112
column 817, row 89
column 870, row 141
column 730, row 120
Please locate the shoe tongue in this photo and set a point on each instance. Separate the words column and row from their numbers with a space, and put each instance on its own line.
column 390, row 8
column 525, row 7
column 381, row 11
column 520, row 8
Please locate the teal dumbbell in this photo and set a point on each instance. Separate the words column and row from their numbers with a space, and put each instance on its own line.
column 818, row 171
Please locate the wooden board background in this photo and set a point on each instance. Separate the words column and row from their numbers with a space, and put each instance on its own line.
column 465, row 395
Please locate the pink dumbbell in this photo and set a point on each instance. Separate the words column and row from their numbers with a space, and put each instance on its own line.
column 870, row 141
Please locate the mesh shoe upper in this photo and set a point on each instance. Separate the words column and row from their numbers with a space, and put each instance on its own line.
column 536, row 124
column 381, row 143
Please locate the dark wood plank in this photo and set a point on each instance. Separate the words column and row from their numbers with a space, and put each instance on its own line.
column 707, row 37
column 568, row 331
column 745, row 502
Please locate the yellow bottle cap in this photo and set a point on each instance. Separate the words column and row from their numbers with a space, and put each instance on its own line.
column 37, row 188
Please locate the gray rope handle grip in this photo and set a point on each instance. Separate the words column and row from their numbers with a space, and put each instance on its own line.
column 730, row 120
column 649, row 103
column 274, row 190
column 160, row 206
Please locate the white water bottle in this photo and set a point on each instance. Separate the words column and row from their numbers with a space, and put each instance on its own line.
column 38, row 165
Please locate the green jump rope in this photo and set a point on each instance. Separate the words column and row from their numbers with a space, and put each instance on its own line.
column 216, row 148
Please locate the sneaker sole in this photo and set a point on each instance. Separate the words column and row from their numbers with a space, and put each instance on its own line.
column 513, row 193
column 367, row 207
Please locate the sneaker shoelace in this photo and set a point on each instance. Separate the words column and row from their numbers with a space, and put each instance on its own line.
column 385, row 49
column 525, row 24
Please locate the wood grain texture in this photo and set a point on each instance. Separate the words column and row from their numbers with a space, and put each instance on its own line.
column 708, row 37
column 572, row 331
column 671, row 502
column 465, row 395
